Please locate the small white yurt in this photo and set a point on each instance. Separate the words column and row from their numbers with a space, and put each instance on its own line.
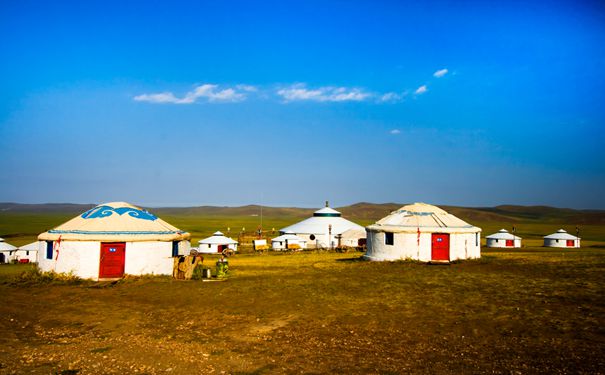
column 216, row 244
column 7, row 252
column 322, row 229
column 352, row 238
column 561, row 239
column 111, row 240
column 503, row 239
column 27, row 253
column 422, row 232
column 289, row 241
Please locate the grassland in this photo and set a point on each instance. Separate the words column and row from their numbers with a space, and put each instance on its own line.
column 526, row 311
column 532, row 310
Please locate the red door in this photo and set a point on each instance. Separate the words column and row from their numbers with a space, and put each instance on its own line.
column 113, row 255
column 220, row 248
column 440, row 246
column 570, row 243
column 509, row 243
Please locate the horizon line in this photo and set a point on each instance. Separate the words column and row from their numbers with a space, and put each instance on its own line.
column 152, row 206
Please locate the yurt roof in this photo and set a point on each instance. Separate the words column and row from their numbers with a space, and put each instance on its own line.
column 6, row 246
column 30, row 247
column 424, row 217
column 115, row 221
column 503, row 234
column 288, row 236
column 319, row 224
column 327, row 212
column 561, row 235
column 218, row 238
column 354, row 233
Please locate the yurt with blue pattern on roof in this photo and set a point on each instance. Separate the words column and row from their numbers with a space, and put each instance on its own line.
column 112, row 240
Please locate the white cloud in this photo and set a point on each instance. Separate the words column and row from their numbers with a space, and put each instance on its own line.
column 163, row 97
column 248, row 88
column 207, row 91
column 421, row 90
column 395, row 131
column 440, row 73
column 300, row 92
column 392, row 97
column 296, row 92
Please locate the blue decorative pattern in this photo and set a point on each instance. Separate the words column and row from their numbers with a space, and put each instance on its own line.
column 92, row 232
column 104, row 211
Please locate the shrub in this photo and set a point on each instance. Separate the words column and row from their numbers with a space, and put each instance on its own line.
column 35, row 276
column 198, row 272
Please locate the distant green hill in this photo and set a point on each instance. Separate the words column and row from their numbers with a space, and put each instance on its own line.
column 550, row 214
column 21, row 223
column 55, row 208
column 359, row 211
column 249, row 210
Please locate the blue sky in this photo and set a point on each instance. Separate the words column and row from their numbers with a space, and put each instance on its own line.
column 294, row 103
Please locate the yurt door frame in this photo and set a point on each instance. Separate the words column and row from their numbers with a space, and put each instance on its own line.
column 571, row 243
column 440, row 246
column 510, row 243
column 113, row 258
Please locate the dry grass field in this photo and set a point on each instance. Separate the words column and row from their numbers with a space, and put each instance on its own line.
column 531, row 310
column 525, row 311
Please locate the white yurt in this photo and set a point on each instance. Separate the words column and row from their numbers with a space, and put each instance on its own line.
column 422, row 232
column 288, row 240
column 111, row 240
column 561, row 239
column 322, row 229
column 7, row 251
column 27, row 253
column 216, row 244
column 503, row 239
column 352, row 238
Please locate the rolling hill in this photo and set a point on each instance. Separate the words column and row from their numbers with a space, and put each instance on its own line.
column 363, row 211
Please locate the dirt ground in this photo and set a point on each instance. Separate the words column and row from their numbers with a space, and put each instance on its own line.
column 526, row 311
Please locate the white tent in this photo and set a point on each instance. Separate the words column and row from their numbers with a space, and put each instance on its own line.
column 321, row 229
column 111, row 240
column 216, row 244
column 503, row 239
column 422, row 232
column 7, row 252
column 352, row 238
column 27, row 253
column 288, row 241
column 561, row 239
